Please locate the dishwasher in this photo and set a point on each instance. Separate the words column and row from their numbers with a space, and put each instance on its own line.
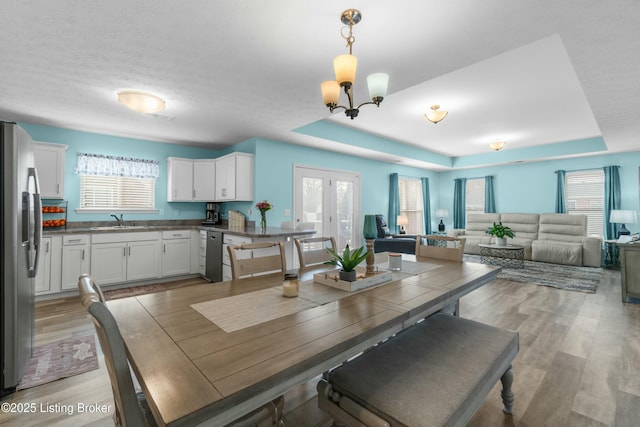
column 213, row 266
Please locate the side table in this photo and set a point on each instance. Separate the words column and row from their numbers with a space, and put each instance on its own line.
column 510, row 256
column 612, row 254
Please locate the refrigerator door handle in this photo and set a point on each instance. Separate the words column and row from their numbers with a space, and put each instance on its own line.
column 37, row 221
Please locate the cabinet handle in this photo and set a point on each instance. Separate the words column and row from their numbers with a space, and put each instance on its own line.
column 129, row 250
column 194, row 193
column 83, row 254
column 74, row 240
column 47, row 247
column 164, row 248
column 58, row 188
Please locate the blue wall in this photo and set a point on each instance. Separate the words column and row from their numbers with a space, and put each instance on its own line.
column 116, row 146
column 531, row 187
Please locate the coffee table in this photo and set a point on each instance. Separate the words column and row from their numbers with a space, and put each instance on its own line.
column 510, row 256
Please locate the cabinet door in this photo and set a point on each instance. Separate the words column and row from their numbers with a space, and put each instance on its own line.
column 43, row 279
column 109, row 263
column 225, row 178
column 75, row 261
column 143, row 260
column 176, row 257
column 180, row 180
column 204, row 180
column 49, row 161
column 244, row 177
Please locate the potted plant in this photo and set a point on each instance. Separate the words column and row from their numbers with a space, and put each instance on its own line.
column 348, row 262
column 500, row 232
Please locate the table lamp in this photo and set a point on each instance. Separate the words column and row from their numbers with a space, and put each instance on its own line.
column 442, row 213
column 623, row 217
column 402, row 221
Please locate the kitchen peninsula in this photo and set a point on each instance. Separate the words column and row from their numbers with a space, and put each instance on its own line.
column 143, row 252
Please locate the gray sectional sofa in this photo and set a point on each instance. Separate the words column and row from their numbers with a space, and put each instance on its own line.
column 549, row 237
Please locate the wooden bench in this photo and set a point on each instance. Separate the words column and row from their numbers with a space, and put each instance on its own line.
column 435, row 373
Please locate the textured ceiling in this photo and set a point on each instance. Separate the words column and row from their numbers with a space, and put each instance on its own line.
column 528, row 72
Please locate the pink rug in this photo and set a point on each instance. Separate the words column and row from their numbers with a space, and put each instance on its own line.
column 60, row 359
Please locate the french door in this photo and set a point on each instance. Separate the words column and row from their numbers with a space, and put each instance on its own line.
column 328, row 201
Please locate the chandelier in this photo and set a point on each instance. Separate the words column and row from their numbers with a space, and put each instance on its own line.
column 345, row 70
column 435, row 115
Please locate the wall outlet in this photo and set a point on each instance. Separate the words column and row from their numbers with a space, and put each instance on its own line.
column 287, row 212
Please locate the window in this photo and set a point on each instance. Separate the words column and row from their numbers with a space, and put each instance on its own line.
column 116, row 192
column 584, row 194
column 116, row 183
column 411, row 204
column 474, row 196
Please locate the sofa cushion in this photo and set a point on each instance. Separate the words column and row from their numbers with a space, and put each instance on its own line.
column 562, row 227
column 557, row 252
column 478, row 224
column 525, row 227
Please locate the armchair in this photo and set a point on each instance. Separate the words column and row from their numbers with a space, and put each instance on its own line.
column 387, row 242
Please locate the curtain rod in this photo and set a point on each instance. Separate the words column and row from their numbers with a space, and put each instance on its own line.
column 586, row 169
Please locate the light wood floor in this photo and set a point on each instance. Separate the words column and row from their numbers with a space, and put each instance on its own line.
column 579, row 361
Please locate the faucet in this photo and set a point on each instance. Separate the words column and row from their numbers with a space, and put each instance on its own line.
column 120, row 220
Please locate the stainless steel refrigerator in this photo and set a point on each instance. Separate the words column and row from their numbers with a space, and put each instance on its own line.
column 21, row 232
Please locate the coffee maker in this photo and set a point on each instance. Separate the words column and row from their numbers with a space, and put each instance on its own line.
column 212, row 216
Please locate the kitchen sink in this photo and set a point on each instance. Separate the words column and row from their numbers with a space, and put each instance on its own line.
column 119, row 227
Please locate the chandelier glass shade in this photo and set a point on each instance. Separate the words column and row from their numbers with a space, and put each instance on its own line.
column 498, row 145
column 435, row 115
column 345, row 67
column 141, row 102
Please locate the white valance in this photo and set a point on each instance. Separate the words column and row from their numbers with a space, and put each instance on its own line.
column 98, row 164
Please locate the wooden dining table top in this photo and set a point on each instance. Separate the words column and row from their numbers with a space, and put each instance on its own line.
column 193, row 372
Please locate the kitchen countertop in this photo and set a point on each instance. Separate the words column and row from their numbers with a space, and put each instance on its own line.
column 244, row 231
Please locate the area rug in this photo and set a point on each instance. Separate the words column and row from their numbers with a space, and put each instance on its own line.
column 133, row 291
column 60, row 359
column 572, row 278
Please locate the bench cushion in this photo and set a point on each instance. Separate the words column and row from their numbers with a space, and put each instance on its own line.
column 430, row 374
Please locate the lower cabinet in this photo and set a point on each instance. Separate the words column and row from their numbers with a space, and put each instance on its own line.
column 176, row 252
column 76, row 259
column 121, row 257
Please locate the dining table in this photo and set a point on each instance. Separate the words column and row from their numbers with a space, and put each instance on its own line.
column 208, row 353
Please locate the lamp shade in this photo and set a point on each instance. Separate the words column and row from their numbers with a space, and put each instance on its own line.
column 345, row 69
column 403, row 220
column 378, row 84
column 435, row 115
column 370, row 230
column 330, row 92
column 623, row 217
column 442, row 213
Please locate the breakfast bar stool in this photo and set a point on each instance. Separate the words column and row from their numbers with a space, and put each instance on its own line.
column 131, row 408
column 250, row 259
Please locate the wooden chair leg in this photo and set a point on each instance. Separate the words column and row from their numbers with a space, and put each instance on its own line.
column 507, row 394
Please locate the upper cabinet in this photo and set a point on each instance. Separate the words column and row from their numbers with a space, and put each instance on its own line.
column 49, row 161
column 234, row 177
column 191, row 180
column 225, row 179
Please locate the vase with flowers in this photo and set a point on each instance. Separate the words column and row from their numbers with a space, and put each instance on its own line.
column 263, row 207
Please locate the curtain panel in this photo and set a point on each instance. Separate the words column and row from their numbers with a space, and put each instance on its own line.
column 394, row 203
column 426, row 210
column 489, row 197
column 612, row 199
column 561, row 203
column 459, row 202
column 101, row 165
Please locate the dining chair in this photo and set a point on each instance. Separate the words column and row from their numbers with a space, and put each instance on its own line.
column 312, row 251
column 251, row 259
column 441, row 247
column 131, row 408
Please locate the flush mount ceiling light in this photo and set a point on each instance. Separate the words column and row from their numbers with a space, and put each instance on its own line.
column 345, row 70
column 435, row 115
column 141, row 102
column 498, row 145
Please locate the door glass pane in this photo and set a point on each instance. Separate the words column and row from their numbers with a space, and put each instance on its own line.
column 344, row 204
column 312, row 197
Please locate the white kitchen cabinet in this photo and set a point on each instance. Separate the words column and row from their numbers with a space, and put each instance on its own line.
column 176, row 252
column 121, row 257
column 202, row 251
column 49, row 161
column 234, row 177
column 76, row 259
column 190, row 180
